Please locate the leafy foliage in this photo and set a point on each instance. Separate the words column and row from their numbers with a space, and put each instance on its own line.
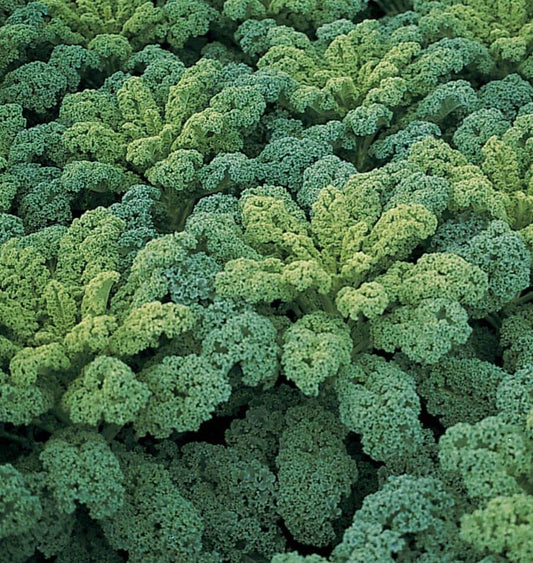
column 265, row 281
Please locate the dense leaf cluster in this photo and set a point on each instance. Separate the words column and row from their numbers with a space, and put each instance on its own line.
column 265, row 272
